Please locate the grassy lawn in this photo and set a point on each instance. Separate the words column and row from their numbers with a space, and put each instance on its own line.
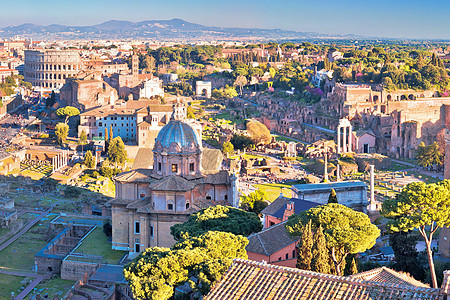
column 283, row 138
column 8, row 284
column 96, row 243
column 273, row 190
column 427, row 179
column 54, row 287
column 397, row 167
column 26, row 247
column 248, row 156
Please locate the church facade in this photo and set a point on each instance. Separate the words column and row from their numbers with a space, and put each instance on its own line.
column 182, row 181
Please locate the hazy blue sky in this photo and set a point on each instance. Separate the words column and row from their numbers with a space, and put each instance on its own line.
column 383, row 18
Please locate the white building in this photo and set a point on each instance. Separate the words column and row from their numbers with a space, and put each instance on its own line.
column 150, row 88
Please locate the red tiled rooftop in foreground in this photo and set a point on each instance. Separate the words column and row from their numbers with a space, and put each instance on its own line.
column 254, row 280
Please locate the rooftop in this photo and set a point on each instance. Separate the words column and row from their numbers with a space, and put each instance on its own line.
column 247, row 279
column 270, row 240
column 327, row 186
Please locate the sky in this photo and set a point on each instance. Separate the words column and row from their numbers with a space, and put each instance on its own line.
column 380, row 18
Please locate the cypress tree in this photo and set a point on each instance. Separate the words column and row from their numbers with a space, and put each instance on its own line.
column 434, row 61
column 111, row 134
column 304, row 249
column 320, row 257
column 332, row 198
column 353, row 268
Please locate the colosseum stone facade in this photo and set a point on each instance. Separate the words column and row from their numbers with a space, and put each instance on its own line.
column 50, row 68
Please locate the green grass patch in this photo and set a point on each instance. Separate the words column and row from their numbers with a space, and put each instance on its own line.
column 26, row 247
column 8, row 284
column 96, row 243
column 273, row 190
column 54, row 288
column 280, row 138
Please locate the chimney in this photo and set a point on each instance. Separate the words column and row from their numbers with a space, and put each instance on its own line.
column 289, row 211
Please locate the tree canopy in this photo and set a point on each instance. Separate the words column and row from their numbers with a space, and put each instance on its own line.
column 61, row 132
column 346, row 230
column 420, row 205
column 227, row 148
column 259, row 132
column 254, row 201
column 67, row 111
column 429, row 155
column 89, row 160
column 218, row 218
column 116, row 151
column 156, row 272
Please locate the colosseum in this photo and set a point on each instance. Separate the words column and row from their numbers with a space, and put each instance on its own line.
column 50, row 68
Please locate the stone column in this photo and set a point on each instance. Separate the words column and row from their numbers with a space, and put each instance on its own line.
column 350, row 139
column 372, row 188
column 325, row 168
column 339, row 139
column 344, row 141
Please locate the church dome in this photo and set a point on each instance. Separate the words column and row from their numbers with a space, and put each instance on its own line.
column 177, row 132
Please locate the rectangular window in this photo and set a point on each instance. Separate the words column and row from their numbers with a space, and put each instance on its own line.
column 293, row 253
column 151, row 231
column 159, row 166
column 192, row 167
column 137, row 227
column 137, row 248
column 170, row 206
column 287, row 255
column 174, row 168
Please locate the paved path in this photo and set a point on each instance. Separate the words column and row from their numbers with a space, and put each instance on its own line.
column 37, row 279
column 25, row 229
column 31, row 286
column 419, row 169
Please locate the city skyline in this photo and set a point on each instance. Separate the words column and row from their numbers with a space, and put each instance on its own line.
column 399, row 19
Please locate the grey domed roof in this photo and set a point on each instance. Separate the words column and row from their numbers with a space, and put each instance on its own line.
column 177, row 132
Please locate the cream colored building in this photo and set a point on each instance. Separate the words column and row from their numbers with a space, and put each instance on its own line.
column 184, row 179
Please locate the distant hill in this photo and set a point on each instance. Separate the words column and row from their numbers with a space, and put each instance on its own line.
column 175, row 29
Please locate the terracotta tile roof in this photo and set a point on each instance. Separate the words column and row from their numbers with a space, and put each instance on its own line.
column 143, row 159
column 269, row 240
column 172, row 183
column 138, row 175
column 254, row 280
column 387, row 275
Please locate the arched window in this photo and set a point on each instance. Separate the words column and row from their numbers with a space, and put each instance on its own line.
column 208, row 197
column 187, row 205
column 100, row 124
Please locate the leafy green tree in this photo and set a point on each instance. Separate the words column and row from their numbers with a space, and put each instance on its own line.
column 67, row 111
column 346, row 230
column 241, row 141
column 254, row 202
column 89, row 160
column 422, row 206
column 190, row 112
column 229, row 92
column 259, row 132
column 353, row 267
column 83, row 139
column 217, row 94
column 156, row 272
column 305, row 255
column 227, row 148
column 429, row 155
column 333, row 197
column 406, row 255
column 61, row 132
column 116, row 151
column 320, row 256
column 218, row 218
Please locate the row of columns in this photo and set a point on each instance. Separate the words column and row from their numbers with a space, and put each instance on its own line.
column 346, row 144
column 59, row 161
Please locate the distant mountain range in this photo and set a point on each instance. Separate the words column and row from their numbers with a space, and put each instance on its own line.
column 160, row 30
